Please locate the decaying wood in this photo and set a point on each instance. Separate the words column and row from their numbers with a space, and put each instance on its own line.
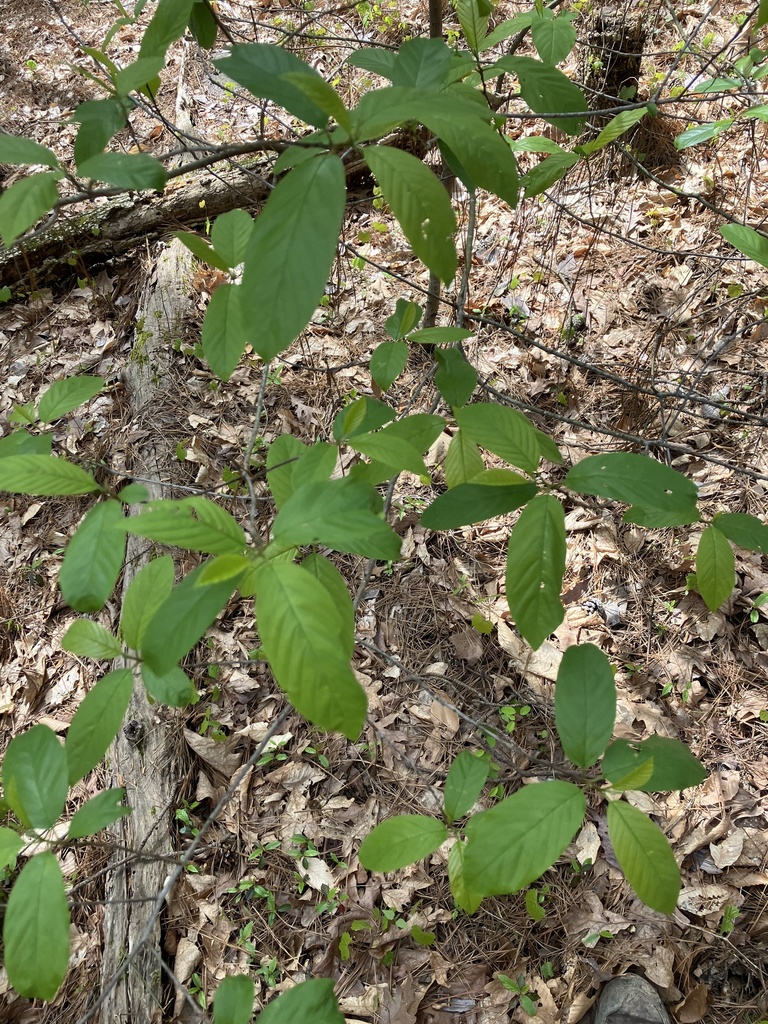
column 142, row 755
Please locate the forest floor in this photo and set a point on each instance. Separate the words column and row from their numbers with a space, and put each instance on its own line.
column 613, row 312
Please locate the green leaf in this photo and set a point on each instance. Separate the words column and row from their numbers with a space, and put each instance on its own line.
column 141, row 76
column 234, row 1000
column 456, row 377
column 515, row 842
column 36, row 929
column 20, row 442
column 473, row 17
column 201, row 250
column 406, row 316
column 503, row 431
column 96, row 723
column 148, row 589
column 344, row 514
column 615, row 128
column 464, row 783
column 25, row 202
column 702, row 133
column 641, row 481
column 35, row 777
column 395, row 452
column 746, row 240
column 90, row 640
column 463, row 896
column 306, row 637
column 11, row 845
column 762, row 14
column 225, row 334
column 474, row 502
column 311, row 1002
column 440, row 335
column 545, row 174
column 463, row 460
column 99, row 812
column 547, row 91
column 224, row 567
column 94, row 557
column 715, row 568
column 181, row 620
column 326, row 573
column 400, row 841
column 291, row 252
column 65, row 395
column 388, row 362
column 202, row 25
column 322, row 94
column 361, row 417
column 169, row 22
column 282, row 459
column 133, row 494
column 508, row 28
column 674, row 766
column 585, row 704
column 43, row 475
column 421, row 204
column 197, row 524
column 172, row 686
column 636, row 778
column 745, row 530
column 535, row 567
column 422, row 64
column 644, row 856
column 548, row 449
column 260, row 68
column 553, row 38
column 231, row 234
column 380, row 62
column 15, row 149
column 126, row 170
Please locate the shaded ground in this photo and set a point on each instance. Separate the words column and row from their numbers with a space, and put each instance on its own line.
column 617, row 317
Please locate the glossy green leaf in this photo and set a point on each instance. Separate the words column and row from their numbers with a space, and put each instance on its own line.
column 473, row 17
column 615, row 128
column 65, row 395
column 464, row 784
column 545, row 174
column 344, row 514
column 535, row 567
column 282, row 458
column 15, row 149
column 326, row 573
column 94, row 557
column 168, row 23
column 440, row 335
column 762, row 14
column 20, row 442
column 43, row 475
column 311, row 1002
column 202, row 25
column 585, row 704
column 225, row 334
column 464, row 897
column 400, row 841
column 181, row 620
column 395, row 452
column 224, row 567
column 702, row 133
column 456, row 377
column 205, row 252
column 140, row 76
column 147, row 591
column 234, row 1000
column 99, row 812
column 305, row 637
column 406, row 316
column 260, row 68
column 475, row 502
column 90, row 640
column 133, row 494
column 197, row 524
column 126, row 170
column 380, row 62
column 25, row 202
column 388, row 362
column 503, row 431
column 35, row 777
column 360, row 417
column 644, row 856
column 674, row 766
column 547, row 90
column 715, row 568
column 548, row 449
column 508, row 28
column 289, row 257
column 321, row 94
column 172, row 686
column 746, row 240
column 421, row 204
column 11, row 845
column 36, row 929
column 96, row 723
column 640, row 481
column 463, row 460
column 422, row 63
column 230, row 235
column 553, row 37
column 515, row 842
column 747, row 531
column 636, row 778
